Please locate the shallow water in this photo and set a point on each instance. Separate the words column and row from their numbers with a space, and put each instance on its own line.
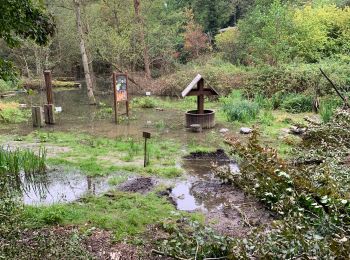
column 198, row 191
column 78, row 116
column 62, row 187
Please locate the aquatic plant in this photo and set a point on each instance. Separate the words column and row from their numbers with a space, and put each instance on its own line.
column 25, row 164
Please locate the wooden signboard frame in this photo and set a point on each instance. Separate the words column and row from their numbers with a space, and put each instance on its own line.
column 115, row 91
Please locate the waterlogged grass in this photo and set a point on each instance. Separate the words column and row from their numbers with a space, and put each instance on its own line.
column 125, row 214
column 101, row 156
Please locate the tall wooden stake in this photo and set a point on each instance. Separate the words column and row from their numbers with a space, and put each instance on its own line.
column 49, row 108
column 48, row 84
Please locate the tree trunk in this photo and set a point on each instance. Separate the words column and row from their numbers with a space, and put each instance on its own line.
column 140, row 22
column 84, row 56
column 86, row 30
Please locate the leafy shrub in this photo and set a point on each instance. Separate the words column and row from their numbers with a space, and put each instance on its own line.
column 52, row 216
column 187, row 239
column 312, row 199
column 226, row 43
column 266, row 117
column 297, row 103
column 10, row 113
column 297, row 78
column 222, row 75
column 263, row 101
column 4, row 86
column 327, row 108
column 242, row 111
column 145, row 102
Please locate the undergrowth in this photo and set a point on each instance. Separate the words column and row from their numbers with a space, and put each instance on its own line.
column 309, row 194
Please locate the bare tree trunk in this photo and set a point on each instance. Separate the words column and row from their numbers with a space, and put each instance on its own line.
column 140, row 22
column 26, row 65
column 84, row 56
column 86, row 30
column 37, row 61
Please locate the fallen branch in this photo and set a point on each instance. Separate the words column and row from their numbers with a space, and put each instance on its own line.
column 346, row 103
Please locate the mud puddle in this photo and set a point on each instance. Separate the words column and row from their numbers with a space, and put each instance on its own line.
column 226, row 208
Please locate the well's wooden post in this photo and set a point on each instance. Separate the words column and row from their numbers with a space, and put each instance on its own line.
column 200, row 98
column 38, row 116
column 49, row 108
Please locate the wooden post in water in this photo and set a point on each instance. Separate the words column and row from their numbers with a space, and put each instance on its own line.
column 38, row 116
column 49, row 108
column 48, row 85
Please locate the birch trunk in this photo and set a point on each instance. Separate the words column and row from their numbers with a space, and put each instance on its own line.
column 140, row 22
column 84, row 56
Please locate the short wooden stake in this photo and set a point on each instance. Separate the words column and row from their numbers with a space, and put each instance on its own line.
column 49, row 114
column 146, row 135
column 38, row 116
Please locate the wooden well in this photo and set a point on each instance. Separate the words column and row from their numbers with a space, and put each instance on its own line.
column 201, row 116
column 206, row 120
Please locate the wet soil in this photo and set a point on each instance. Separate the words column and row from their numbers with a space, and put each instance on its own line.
column 226, row 208
column 218, row 155
column 140, row 185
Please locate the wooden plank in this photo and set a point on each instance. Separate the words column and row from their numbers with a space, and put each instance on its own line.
column 191, row 85
column 205, row 92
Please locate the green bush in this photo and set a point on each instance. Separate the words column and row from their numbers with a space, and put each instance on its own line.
column 222, row 75
column 297, row 103
column 13, row 115
column 242, row 111
column 145, row 102
column 297, row 78
column 328, row 107
column 266, row 117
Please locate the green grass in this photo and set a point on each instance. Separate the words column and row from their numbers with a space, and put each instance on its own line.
column 96, row 156
column 10, row 113
column 125, row 214
column 116, row 180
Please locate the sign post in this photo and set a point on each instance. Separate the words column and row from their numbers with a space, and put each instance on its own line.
column 146, row 135
column 120, row 88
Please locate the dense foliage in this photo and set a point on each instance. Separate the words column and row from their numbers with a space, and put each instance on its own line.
column 22, row 20
column 310, row 195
